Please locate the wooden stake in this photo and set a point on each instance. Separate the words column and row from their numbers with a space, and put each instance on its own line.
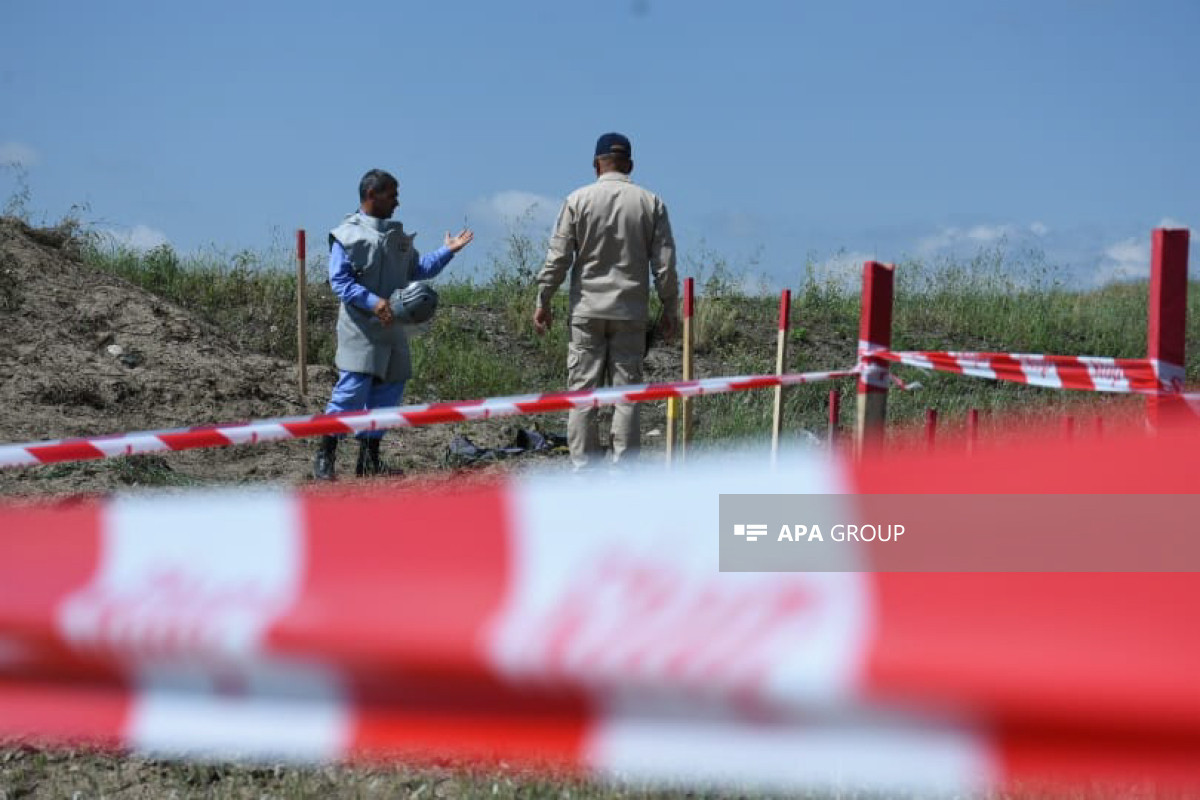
column 672, row 415
column 672, row 419
column 785, row 308
column 835, row 408
column 301, row 315
column 685, row 426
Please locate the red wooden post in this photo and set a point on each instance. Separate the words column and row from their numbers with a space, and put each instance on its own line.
column 874, row 333
column 301, row 314
column 835, row 409
column 1166, row 322
column 930, row 427
column 972, row 429
column 685, row 417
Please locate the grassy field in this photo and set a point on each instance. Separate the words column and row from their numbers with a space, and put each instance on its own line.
column 485, row 344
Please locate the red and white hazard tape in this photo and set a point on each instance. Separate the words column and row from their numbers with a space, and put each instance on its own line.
column 584, row 624
column 270, row 430
column 1086, row 373
column 1089, row 373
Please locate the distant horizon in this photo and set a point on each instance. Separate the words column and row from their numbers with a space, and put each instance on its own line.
column 280, row 254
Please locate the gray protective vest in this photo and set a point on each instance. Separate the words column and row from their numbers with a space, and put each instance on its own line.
column 383, row 259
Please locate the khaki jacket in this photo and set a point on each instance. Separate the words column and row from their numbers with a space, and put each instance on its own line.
column 612, row 236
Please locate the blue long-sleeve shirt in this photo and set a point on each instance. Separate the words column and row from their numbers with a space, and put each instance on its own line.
column 351, row 292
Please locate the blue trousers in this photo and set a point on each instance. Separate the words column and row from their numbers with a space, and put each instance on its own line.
column 358, row 391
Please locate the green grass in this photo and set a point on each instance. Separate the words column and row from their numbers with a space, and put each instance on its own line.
column 250, row 296
column 140, row 471
column 482, row 342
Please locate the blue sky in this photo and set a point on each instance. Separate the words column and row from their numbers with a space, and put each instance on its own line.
column 778, row 133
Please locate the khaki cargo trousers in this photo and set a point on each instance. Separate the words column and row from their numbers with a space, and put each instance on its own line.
column 604, row 352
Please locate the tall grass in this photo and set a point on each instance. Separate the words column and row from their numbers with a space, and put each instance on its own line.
column 482, row 342
column 984, row 304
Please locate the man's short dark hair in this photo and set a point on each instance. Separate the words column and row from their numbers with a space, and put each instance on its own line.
column 375, row 181
column 620, row 163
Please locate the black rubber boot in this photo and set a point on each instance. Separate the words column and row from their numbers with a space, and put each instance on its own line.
column 326, row 453
column 368, row 458
column 370, row 463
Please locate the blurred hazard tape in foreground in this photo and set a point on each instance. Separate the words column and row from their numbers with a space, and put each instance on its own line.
column 352, row 422
column 583, row 625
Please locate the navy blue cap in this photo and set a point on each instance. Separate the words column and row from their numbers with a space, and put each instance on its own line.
column 614, row 144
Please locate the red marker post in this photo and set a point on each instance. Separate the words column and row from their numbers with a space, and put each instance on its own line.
column 301, row 315
column 835, row 413
column 874, row 333
column 1166, row 326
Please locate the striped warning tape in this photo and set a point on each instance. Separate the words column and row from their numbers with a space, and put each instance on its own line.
column 1085, row 373
column 271, row 430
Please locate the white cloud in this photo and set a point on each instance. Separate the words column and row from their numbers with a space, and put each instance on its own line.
column 844, row 269
column 18, row 154
column 139, row 237
column 985, row 234
column 969, row 241
column 1124, row 260
column 515, row 207
column 938, row 242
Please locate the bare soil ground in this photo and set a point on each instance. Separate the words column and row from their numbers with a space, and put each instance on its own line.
column 84, row 353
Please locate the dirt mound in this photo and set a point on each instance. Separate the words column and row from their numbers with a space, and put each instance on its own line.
column 83, row 351
column 86, row 353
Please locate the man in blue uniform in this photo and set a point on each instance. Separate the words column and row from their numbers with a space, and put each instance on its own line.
column 371, row 259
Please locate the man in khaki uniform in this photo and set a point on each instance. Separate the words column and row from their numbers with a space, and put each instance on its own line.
column 612, row 236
